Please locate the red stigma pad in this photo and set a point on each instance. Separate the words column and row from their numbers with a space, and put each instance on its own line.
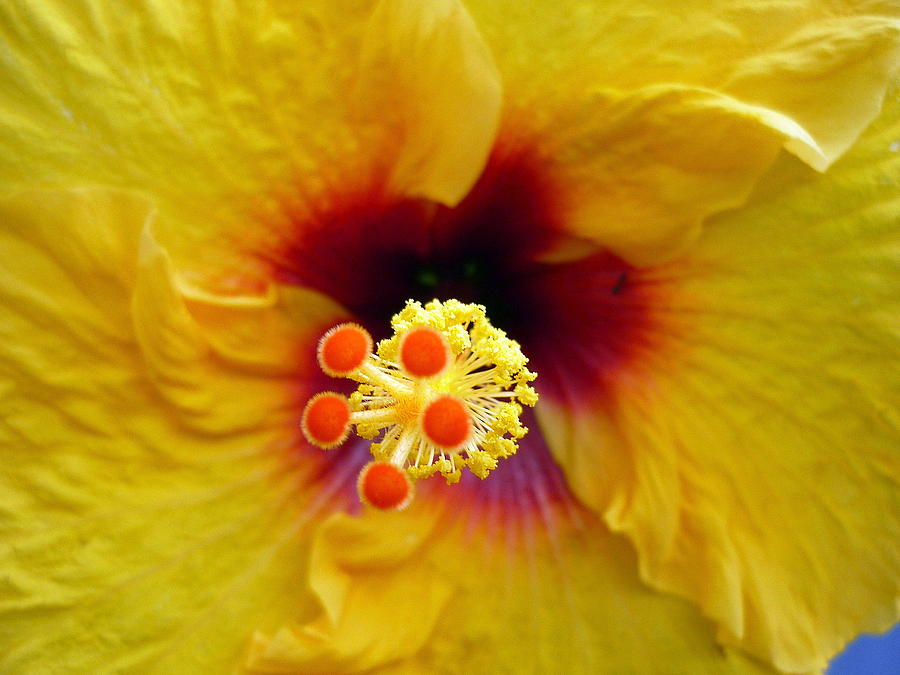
column 326, row 419
column 344, row 349
column 446, row 422
column 424, row 352
column 384, row 486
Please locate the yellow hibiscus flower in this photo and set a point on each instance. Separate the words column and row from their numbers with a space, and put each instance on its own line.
column 686, row 213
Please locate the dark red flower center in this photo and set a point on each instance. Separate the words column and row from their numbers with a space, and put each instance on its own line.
column 578, row 321
column 581, row 321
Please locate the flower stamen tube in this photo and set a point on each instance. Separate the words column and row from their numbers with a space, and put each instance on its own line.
column 444, row 393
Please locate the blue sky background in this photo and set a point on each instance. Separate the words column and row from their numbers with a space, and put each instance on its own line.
column 870, row 655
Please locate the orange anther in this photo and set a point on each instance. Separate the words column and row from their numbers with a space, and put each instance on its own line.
column 326, row 419
column 424, row 352
column 446, row 422
column 384, row 486
column 343, row 349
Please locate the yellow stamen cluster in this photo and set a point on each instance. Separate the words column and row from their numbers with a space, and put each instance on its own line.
column 485, row 377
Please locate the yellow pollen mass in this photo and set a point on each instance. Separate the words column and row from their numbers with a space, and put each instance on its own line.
column 466, row 416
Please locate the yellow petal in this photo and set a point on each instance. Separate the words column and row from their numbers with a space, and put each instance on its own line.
column 135, row 537
column 426, row 591
column 825, row 68
column 362, row 571
column 183, row 339
column 427, row 72
column 647, row 168
column 207, row 109
column 830, row 77
column 225, row 115
column 751, row 454
column 266, row 331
